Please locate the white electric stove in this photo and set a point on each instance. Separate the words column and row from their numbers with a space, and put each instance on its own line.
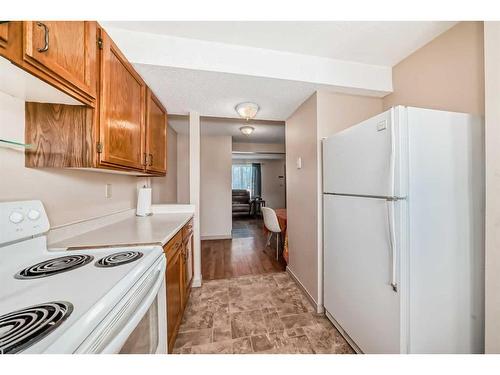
column 108, row 300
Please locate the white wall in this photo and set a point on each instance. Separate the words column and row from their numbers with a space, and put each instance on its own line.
column 182, row 168
column 492, row 115
column 258, row 147
column 446, row 74
column 302, row 195
column 165, row 188
column 68, row 195
column 273, row 187
column 215, row 208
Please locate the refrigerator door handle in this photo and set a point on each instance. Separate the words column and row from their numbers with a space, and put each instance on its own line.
column 392, row 242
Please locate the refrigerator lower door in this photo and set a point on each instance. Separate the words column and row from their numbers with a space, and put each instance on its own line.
column 358, row 271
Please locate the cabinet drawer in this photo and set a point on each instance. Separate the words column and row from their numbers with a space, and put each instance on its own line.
column 187, row 230
column 173, row 246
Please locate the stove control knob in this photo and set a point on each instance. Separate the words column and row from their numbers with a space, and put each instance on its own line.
column 16, row 217
column 33, row 214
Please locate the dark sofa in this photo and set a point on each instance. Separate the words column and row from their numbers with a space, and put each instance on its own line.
column 241, row 202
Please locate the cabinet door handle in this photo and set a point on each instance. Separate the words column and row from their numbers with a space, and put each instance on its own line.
column 46, row 37
column 150, row 160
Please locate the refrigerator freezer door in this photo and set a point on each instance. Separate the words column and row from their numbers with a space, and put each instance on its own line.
column 358, row 271
column 361, row 160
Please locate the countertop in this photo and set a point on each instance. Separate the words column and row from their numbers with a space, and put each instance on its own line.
column 156, row 229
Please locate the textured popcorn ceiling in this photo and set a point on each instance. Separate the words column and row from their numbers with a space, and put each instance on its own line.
column 217, row 94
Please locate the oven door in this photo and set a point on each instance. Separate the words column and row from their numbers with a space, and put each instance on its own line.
column 137, row 325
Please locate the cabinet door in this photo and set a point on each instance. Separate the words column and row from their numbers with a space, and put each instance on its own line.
column 4, row 35
column 188, row 264
column 122, row 109
column 174, row 298
column 156, row 135
column 66, row 49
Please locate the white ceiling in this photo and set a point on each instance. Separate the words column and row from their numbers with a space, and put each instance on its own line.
column 370, row 42
column 209, row 67
column 216, row 94
column 265, row 131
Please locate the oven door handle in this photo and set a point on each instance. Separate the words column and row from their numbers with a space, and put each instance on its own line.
column 116, row 328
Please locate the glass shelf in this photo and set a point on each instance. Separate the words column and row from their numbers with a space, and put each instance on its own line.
column 14, row 143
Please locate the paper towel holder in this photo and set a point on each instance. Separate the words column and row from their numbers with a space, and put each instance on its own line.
column 144, row 202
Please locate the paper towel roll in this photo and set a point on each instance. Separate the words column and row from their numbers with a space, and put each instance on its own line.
column 143, row 202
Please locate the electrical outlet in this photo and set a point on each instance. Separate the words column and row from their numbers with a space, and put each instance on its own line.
column 109, row 191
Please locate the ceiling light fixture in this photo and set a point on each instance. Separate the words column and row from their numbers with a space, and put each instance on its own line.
column 247, row 130
column 247, row 110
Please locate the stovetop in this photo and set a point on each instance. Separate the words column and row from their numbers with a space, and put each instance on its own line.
column 67, row 263
column 119, row 259
column 50, row 301
column 22, row 328
column 54, row 266
column 89, row 283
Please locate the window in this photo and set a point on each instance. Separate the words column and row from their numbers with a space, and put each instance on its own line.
column 247, row 177
column 242, row 177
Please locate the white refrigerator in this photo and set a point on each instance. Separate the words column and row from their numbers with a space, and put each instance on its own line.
column 403, row 227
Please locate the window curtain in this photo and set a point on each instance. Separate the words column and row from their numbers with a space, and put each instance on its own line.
column 256, row 180
column 247, row 177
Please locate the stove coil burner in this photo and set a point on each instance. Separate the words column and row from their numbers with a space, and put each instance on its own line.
column 54, row 266
column 118, row 259
column 22, row 328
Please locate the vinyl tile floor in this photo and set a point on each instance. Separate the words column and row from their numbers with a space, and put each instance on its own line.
column 255, row 314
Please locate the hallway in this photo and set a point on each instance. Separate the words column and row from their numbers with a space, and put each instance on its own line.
column 242, row 255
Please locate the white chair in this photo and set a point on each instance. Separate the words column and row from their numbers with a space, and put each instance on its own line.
column 273, row 226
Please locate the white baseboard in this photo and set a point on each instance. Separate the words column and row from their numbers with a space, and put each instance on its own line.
column 319, row 308
column 196, row 281
column 218, row 237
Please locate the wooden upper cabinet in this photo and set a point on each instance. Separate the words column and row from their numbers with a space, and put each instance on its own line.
column 156, row 135
column 64, row 49
column 122, row 109
column 4, row 35
column 123, row 129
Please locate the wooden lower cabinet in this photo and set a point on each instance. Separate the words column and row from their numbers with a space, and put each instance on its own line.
column 179, row 276
column 174, row 298
column 187, row 261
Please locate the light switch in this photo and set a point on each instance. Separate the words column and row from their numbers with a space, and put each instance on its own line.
column 299, row 163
